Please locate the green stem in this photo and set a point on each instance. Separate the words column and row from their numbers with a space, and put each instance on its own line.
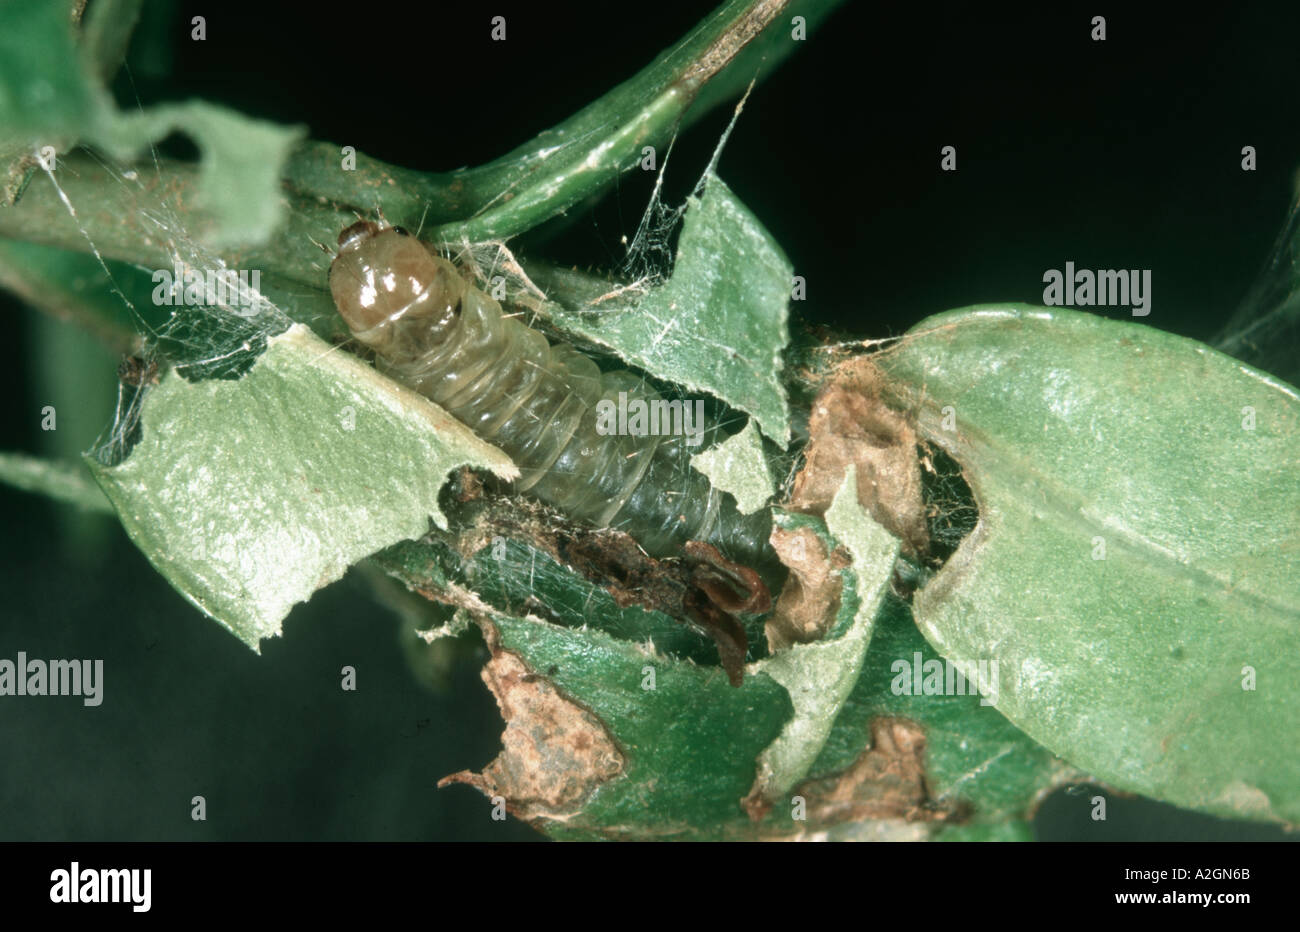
column 64, row 482
column 741, row 41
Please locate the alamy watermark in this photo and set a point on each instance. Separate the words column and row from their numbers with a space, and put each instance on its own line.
column 52, row 678
column 238, row 291
column 920, row 677
column 1104, row 287
column 78, row 884
column 654, row 418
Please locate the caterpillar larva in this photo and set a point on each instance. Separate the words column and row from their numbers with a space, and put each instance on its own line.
column 436, row 333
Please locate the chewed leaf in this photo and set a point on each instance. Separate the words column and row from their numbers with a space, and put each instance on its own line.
column 978, row 766
column 668, row 788
column 51, row 99
column 821, row 675
column 1134, row 571
column 249, row 495
column 239, row 172
column 737, row 465
column 720, row 323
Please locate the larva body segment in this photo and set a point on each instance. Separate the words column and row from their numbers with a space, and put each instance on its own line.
column 432, row 331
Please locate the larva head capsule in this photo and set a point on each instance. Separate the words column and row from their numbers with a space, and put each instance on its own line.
column 383, row 278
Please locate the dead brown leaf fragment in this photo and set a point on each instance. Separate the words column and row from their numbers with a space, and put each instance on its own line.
column 702, row 587
column 554, row 752
column 850, row 424
column 810, row 598
column 887, row 781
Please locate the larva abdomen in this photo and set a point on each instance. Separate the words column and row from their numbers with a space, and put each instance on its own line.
column 437, row 334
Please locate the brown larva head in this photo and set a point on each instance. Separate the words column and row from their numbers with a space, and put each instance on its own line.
column 382, row 277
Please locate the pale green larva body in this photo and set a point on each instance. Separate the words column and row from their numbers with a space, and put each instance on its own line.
column 437, row 334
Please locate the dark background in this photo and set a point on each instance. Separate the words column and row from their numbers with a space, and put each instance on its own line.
column 1122, row 154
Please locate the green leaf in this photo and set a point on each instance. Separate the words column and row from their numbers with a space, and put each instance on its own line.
column 42, row 87
column 42, row 97
column 975, row 760
column 123, row 222
column 761, row 737
column 51, row 94
column 988, row 831
column 977, row 764
column 515, row 578
column 689, row 743
column 718, row 325
column 1170, row 666
column 249, row 495
column 737, row 465
column 106, row 34
column 239, row 168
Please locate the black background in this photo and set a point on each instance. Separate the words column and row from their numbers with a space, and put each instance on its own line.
column 1122, row 154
